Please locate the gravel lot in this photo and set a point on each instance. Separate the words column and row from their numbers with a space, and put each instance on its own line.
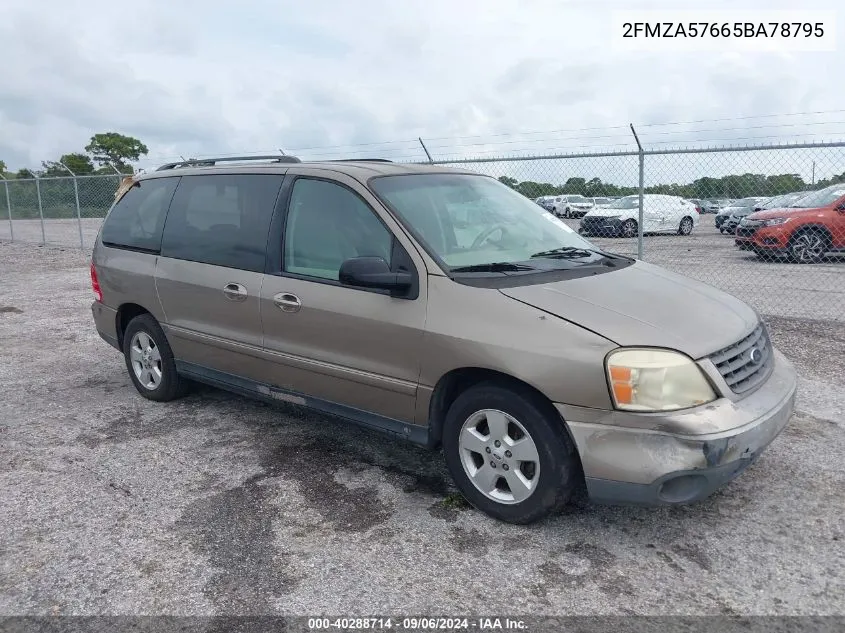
column 215, row 504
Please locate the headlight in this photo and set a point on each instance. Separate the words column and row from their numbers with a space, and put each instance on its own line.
column 656, row 380
column 774, row 221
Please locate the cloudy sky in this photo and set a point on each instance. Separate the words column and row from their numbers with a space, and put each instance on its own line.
column 321, row 78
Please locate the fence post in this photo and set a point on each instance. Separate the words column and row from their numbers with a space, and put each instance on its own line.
column 9, row 207
column 642, row 194
column 425, row 149
column 40, row 210
column 76, row 195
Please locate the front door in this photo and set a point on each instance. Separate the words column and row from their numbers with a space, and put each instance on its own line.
column 349, row 346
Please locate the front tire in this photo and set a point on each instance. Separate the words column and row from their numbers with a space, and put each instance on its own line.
column 808, row 247
column 629, row 228
column 509, row 453
column 150, row 362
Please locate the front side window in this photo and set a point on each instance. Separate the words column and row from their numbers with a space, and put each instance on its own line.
column 328, row 224
column 465, row 220
column 222, row 219
column 137, row 219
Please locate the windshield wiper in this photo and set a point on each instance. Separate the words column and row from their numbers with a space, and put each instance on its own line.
column 494, row 267
column 567, row 252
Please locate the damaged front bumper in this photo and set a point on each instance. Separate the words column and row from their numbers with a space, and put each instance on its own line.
column 637, row 458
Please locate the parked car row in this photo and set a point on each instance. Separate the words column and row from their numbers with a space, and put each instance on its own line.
column 661, row 214
column 572, row 205
column 802, row 226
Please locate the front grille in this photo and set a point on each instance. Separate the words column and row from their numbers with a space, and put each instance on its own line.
column 736, row 365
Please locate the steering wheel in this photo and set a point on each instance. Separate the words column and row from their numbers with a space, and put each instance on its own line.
column 486, row 233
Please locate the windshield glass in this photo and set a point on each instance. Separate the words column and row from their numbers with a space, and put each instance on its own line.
column 745, row 202
column 577, row 199
column 820, row 198
column 468, row 220
column 628, row 202
column 782, row 201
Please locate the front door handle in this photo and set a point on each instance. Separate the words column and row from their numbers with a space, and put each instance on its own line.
column 287, row 302
column 235, row 292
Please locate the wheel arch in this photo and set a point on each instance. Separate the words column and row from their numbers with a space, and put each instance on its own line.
column 811, row 227
column 125, row 313
column 456, row 381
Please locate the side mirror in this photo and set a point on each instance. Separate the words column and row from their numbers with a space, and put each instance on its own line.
column 373, row 272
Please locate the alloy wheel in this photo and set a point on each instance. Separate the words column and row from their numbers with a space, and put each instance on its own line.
column 146, row 360
column 499, row 456
column 808, row 248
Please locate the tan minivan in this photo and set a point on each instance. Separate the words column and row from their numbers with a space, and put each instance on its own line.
column 443, row 307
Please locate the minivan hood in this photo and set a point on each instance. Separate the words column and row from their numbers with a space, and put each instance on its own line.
column 645, row 305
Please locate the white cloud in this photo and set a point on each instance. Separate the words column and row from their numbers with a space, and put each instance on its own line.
column 198, row 78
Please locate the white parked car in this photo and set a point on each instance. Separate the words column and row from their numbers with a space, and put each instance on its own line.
column 661, row 214
column 600, row 203
column 571, row 206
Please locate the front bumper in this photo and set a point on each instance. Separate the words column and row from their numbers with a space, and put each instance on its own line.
column 647, row 465
column 600, row 226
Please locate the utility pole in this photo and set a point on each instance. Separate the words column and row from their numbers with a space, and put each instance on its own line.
column 814, row 174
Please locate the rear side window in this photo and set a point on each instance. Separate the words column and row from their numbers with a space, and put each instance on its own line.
column 137, row 220
column 222, row 219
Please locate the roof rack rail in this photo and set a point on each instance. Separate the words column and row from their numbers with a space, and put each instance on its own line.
column 208, row 162
column 360, row 160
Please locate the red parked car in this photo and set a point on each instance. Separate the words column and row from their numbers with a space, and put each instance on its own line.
column 804, row 232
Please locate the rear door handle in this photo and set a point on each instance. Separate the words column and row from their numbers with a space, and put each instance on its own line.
column 287, row 302
column 235, row 292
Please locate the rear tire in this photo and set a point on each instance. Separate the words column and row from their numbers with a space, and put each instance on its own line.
column 150, row 362
column 509, row 454
column 629, row 228
column 686, row 225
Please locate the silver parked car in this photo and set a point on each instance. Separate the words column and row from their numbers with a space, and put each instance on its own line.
column 445, row 308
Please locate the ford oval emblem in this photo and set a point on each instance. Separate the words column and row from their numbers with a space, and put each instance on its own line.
column 755, row 355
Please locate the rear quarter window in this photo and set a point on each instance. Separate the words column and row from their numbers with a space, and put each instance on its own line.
column 136, row 221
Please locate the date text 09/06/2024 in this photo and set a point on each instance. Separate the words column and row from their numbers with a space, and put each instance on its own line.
column 415, row 624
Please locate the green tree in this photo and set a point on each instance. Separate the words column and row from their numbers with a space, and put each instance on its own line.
column 117, row 149
column 575, row 185
column 507, row 180
column 2, row 168
column 79, row 164
column 24, row 173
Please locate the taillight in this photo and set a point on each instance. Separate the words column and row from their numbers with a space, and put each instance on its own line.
column 95, row 284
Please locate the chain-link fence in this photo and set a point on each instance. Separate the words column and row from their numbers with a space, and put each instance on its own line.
column 690, row 211
column 686, row 210
column 63, row 211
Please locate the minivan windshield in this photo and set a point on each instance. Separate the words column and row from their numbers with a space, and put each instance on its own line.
column 468, row 221
column 820, row 198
